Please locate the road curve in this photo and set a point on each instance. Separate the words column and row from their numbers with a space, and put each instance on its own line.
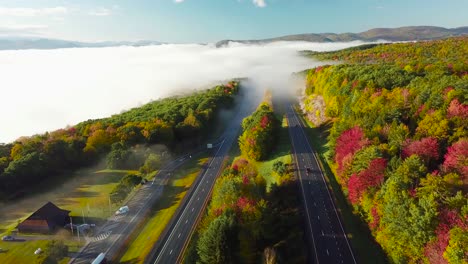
column 326, row 235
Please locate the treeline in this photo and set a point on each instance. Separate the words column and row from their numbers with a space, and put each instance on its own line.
column 245, row 223
column 399, row 143
column 260, row 131
column 172, row 121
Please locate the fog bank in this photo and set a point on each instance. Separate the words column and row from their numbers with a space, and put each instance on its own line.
column 43, row 90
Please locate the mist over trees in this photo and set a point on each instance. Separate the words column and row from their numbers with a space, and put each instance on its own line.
column 398, row 142
column 175, row 122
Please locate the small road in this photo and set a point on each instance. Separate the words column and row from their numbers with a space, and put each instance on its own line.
column 114, row 232
column 327, row 238
column 170, row 248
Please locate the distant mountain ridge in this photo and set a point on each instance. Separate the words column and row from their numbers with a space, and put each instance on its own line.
column 22, row 43
column 390, row 34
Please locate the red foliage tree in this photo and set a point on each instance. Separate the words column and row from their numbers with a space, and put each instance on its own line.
column 348, row 143
column 244, row 203
column 427, row 149
column 264, row 122
column 375, row 218
column 456, row 158
column 366, row 179
column 456, row 109
column 434, row 250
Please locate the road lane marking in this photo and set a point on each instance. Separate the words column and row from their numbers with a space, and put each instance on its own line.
column 328, row 253
column 178, row 236
column 171, row 252
column 318, row 217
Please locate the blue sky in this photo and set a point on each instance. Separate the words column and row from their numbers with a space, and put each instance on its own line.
column 211, row 20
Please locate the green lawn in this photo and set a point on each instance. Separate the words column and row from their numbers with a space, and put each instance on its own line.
column 362, row 242
column 92, row 200
column 163, row 211
column 23, row 252
column 85, row 192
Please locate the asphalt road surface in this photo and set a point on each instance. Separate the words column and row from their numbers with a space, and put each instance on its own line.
column 327, row 239
column 170, row 248
column 113, row 233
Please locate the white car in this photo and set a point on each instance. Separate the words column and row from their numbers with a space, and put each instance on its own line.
column 122, row 210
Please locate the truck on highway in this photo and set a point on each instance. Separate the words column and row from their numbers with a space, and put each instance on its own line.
column 122, row 210
column 100, row 259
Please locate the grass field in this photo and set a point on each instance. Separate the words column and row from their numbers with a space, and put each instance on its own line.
column 87, row 192
column 163, row 211
column 23, row 252
column 362, row 242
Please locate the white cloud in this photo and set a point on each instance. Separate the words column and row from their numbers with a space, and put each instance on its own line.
column 100, row 12
column 179, row 1
column 259, row 3
column 49, row 89
column 30, row 12
column 22, row 30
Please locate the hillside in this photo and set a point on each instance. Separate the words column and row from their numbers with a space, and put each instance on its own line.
column 398, row 142
column 21, row 43
column 390, row 34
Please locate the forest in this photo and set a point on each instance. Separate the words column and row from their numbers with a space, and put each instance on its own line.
column 398, row 142
column 181, row 121
column 246, row 222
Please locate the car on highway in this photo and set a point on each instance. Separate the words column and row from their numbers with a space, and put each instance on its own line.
column 8, row 238
column 122, row 210
column 308, row 170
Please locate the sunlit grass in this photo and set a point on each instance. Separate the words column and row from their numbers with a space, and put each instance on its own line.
column 163, row 211
column 23, row 252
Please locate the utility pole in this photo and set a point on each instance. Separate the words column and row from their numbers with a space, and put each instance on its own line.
column 110, row 207
column 71, row 225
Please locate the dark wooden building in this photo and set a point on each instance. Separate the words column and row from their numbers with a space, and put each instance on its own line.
column 45, row 219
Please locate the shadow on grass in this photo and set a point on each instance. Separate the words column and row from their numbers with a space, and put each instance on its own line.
column 365, row 248
column 283, row 146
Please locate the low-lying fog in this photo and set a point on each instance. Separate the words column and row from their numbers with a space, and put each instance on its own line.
column 45, row 90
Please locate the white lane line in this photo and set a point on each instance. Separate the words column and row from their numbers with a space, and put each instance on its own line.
column 318, row 217
column 328, row 253
column 178, row 236
column 193, row 209
column 186, row 221
column 323, row 233
column 171, row 252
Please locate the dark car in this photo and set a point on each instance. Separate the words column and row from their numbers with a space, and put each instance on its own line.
column 308, row 170
column 8, row 238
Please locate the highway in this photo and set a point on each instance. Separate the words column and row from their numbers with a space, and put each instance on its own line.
column 326, row 235
column 170, row 247
column 111, row 236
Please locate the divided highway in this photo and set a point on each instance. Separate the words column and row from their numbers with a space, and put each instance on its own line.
column 327, row 238
column 112, row 234
column 169, row 250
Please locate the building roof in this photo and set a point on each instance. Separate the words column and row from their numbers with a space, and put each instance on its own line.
column 48, row 215
column 48, row 211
